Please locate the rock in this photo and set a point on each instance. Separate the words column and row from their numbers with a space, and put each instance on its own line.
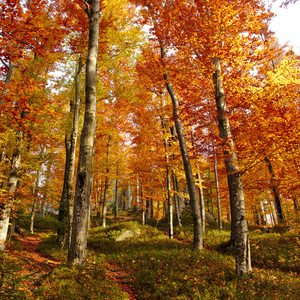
column 127, row 234
column 209, row 218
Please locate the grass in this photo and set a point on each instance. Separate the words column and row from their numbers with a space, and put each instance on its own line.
column 168, row 269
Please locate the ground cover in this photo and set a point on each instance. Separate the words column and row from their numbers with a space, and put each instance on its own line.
column 151, row 266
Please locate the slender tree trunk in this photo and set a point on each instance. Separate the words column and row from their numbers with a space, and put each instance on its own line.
column 116, row 196
column 35, row 194
column 237, row 203
column 200, row 190
column 218, row 192
column 143, row 205
column 276, row 193
column 42, row 210
column 151, row 209
column 45, row 196
column 176, row 199
column 77, row 251
column 129, row 197
column 70, row 196
column 63, row 206
column 65, row 215
column 211, row 195
column 104, row 209
column 32, row 215
column 106, row 183
column 5, row 207
column 11, row 230
column 201, row 197
column 198, row 238
column 137, row 193
column 166, row 214
column 168, row 177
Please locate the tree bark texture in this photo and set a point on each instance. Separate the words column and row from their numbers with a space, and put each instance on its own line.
column 35, row 195
column 77, row 252
column 275, row 192
column 5, row 207
column 106, row 183
column 143, row 206
column 176, row 199
column 168, row 179
column 201, row 198
column 237, row 203
column 210, row 195
column 129, row 197
column 198, row 238
column 218, row 192
column 65, row 216
column 200, row 190
column 116, row 199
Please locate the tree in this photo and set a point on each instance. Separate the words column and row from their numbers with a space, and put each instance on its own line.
column 77, row 252
column 66, row 204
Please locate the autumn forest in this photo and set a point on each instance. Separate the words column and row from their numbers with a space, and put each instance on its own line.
column 148, row 109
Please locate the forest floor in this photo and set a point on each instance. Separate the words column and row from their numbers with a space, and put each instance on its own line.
column 149, row 267
column 35, row 266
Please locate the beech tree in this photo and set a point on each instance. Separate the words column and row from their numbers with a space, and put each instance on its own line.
column 77, row 252
column 66, row 204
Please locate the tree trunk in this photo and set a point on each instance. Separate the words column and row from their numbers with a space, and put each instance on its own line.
column 65, row 215
column 104, row 209
column 35, row 195
column 198, row 238
column 211, row 195
column 201, row 197
column 276, row 193
column 200, row 190
column 168, row 177
column 106, row 183
column 129, row 197
column 237, row 203
column 32, row 216
column 5, row 207
column 137, row 193
column 176, row 199
column 11, row 229
column 143, row 206
column 77, row 251
column 116, row 197
column 218, row 192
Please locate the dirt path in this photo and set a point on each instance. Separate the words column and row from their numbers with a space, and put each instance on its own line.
column 37, row 265
column 122, row 279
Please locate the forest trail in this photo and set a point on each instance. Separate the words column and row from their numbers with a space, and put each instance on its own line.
column 37, row 265
column 123, row 279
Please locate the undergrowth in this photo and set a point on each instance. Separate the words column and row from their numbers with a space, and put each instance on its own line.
column 168, row 269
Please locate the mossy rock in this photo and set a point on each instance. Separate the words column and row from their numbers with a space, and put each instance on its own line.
column 122, row 235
